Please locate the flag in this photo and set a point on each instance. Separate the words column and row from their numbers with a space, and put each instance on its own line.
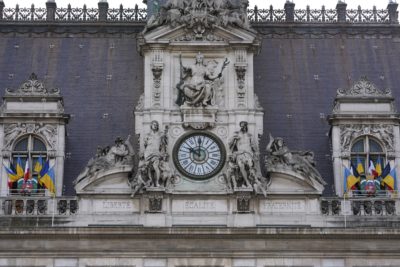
column 12, row 176
column 48, row 180
column 43, row 171
column 371, row 169
column 390, row 180
column 38, row 165
column 360, row 167
column 27, row 171
column 20, row 171
column 386, row 170
column 354, row 170
column 349, row 180
column 378, row 166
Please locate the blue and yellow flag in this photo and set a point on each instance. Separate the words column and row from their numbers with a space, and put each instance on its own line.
column 48, row 180
column 38, row 165
column 43, row 171
column 390, row 180
column 19, row 168
column 12, row 175
column 378, row 166
column 360, row 166
column 349, row 180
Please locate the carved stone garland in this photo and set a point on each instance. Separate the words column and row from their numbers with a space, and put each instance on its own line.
column 157, row 69
column 241, row 68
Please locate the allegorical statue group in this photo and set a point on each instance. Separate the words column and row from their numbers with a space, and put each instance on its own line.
column 200, row 15
column 196, row 89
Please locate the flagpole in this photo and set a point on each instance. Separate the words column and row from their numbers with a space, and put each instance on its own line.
column 54, row 210
column 345, row 211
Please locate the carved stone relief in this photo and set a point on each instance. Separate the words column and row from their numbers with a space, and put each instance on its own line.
column 384, row 133
column 33, row 87
column 13, row 131
column 201, row 16
column 363, row 88
column 157, row 69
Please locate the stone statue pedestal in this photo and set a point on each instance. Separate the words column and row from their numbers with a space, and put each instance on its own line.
column 199, row 118
column 242, row 190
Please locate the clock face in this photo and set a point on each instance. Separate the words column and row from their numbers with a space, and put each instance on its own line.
column 199, row 155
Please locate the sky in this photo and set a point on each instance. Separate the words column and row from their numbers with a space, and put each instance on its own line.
column 278, row 4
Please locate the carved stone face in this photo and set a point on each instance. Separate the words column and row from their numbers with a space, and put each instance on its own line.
column 199, row 58
column 243, row 126
column 154, row 126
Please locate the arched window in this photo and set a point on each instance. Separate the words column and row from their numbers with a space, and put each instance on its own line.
column 29, row 148
column 365, row 149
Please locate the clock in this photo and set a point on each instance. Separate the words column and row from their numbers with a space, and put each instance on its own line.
column 199, row 155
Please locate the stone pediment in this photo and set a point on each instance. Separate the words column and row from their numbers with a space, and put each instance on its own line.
column 32, row 88
column 219, row 35
column 363, row 89
column 111, row 181
column 284, row 181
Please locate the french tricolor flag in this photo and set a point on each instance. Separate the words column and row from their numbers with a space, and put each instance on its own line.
column 26, row 173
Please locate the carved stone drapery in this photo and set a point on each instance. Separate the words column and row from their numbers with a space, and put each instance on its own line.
column 363, row 88
column 384, row 133
column 15, row 130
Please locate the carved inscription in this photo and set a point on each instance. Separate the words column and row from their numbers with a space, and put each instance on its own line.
column 110, row 206
column 199, row 205
column 283, row 206
column 117, row 205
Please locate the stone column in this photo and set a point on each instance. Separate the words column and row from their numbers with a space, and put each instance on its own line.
column 51, row 7
column 289, row 11
column 393, row 14
column 103, row 10
column 2, row 5
column 341, row 11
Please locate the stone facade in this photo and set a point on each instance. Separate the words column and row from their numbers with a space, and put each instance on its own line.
column 206, row 87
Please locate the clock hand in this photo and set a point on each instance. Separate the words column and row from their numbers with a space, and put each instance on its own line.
column 199, row 142
column 193, row 150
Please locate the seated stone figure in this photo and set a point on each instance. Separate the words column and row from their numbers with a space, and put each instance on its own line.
column 302, row 162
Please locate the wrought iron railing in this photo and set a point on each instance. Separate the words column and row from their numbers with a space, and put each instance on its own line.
column 255, row 15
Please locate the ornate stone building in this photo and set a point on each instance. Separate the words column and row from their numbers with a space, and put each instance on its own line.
column 242, row 137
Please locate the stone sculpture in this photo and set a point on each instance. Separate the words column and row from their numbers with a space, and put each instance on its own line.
column 242, row 171
column 199, row 16
column 153, row 170
column 197, row 87
column 120, row 154
column 301, row 162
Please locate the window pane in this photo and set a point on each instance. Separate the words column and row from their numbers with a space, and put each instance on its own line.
column 22, row 145
column 38, row 145
column 358, row 146
column 374, row 146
